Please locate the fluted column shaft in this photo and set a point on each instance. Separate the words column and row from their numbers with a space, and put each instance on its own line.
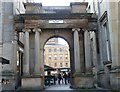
column 26, row 63
column 15, row 50
column 88, row 63
column 76, row 51
column 37, row 51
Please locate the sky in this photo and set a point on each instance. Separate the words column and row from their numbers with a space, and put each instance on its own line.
column 62, row 41
column 56, row 2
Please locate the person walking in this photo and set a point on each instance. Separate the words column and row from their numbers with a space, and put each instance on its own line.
column 62, row 78
column 68, row 77
column 65, row 78
column 59, row 78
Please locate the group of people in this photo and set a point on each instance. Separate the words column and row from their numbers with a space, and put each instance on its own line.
column 65, row 78
column 5, row 81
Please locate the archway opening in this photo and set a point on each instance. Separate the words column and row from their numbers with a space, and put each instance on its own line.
column 56, row 61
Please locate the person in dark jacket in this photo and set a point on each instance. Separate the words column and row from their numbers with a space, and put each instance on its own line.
column 68, row 77
column 65, row 78
column 59, row 78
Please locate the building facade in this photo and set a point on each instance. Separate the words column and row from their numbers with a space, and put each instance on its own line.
column 8, row 40
column 92, row 34
column 107, row 64
column 57, row 56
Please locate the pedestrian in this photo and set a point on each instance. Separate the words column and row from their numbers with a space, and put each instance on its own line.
column 62, row 78
column 59, row 78
column 65, row 78
column 68, row 77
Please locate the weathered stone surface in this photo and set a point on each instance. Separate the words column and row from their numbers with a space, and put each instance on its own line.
column 37, row 8
column 31, row 82
column 73, row 23
column 37, row 17
column 79, row 7
column 86, row 82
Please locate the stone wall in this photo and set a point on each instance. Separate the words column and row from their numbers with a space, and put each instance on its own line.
column 1, row 44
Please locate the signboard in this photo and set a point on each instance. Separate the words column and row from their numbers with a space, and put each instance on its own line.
column 56, row 21
column 64, row 70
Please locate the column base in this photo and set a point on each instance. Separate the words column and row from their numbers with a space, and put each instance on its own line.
column 114, row 81
column 83, row 81
column 32, row 83
column 10, row 76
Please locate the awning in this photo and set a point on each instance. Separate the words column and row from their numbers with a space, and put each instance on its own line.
column 46, row 68
column 4, row 61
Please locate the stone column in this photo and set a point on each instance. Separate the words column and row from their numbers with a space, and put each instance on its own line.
column 15, row 51
column 15, row 48
column 87, row 45
column 26, row 64
column 37, row 51
column 76, row 51
column 87, row 52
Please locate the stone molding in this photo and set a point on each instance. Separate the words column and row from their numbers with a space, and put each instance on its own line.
column 28, row 30
column 107, row 62
column 83, row 74
column 32, row 76
column 37, row 29
column 16, row 36
column 76, row 29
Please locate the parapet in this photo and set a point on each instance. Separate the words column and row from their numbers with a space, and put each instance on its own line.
column 75, row 7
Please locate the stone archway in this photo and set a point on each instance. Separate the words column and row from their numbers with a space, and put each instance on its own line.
column 38, row 28
column 65, row 34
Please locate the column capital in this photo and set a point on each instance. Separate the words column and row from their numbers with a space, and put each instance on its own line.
column 37, row 29
column 16, row 36
column 28, row 30
column 75, row 29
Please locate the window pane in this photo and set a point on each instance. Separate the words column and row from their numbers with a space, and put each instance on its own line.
column 60, row 49
column 49, row 57
column 50, row 50
column 55, row 64
column 55, row 50
column 66, row 64
column 60, row 64
column 55, row 57
column 60, row 57
column 66, row 56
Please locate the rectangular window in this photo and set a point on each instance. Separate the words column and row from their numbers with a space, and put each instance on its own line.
column 55, row 57
column 50, row 50
column 55, row 64
column 60, row 57
column 49, row 57
column 55, row 50
column 66, row 64
column 66, row 56
column 107, row 41
column 60, row 64
column 60, row 49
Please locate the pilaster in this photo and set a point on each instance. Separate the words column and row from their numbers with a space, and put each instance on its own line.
column 26, row 64
column 37, row 51
column 36, row 78
column 80, row 78
column 88, row 64
column 76, row 50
